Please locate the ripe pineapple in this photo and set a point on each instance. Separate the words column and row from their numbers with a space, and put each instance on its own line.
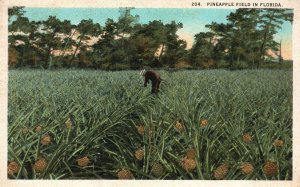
column 203, row 123
column 140, row 129
column 40, row 165
column 139, row 154
column 151, row 130
column 84, row 161
column 13, row 168
column 38, row 129
column 221, row 172
column 125, row 174
column 247, row 168
column 190, row 154
column 179, row 126
column 157, row 170
column 247, row 138
column 46, row 140
column 270, row 168
column 188, row 164
column 278, row 143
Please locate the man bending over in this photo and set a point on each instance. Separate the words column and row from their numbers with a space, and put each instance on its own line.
column 154, row 77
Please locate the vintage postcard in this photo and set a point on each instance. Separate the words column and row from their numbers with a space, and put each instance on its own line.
column 107, row 93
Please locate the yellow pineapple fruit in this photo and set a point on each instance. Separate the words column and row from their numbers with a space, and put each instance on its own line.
column 179, row 127
column 188, row 164
column 278, row 143
column 270, row 168
column 139, row 154
column 125, row 174
column 140, row 129
column 40, row 165
column 203, row 123
column 13, row 168
column 46, row 140
column 190, row 154
column 84, row 161
column 247, row 138
column 38, row 129
column 221, row 172
column 157, row 170
column 247, row 168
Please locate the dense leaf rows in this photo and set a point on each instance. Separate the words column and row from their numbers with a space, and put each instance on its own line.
column 216, row 124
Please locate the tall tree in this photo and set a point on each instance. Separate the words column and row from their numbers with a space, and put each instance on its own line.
column 203, row 49
column 174, row 47
column 105, row 46
column 147, row 39
column 270, row 20
column 19, row 39
column 86, row 28
column 15, row 11
column 125, row 27
column 237, row 33
column 68, row 31
column 48, row 38
column 126, row 21
column 250, row 32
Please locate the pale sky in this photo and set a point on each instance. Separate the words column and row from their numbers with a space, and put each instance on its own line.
column 194, row 20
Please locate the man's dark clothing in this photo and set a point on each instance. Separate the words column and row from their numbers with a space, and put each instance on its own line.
column 155, row 80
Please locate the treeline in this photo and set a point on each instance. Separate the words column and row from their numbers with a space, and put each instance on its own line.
column 242, row 42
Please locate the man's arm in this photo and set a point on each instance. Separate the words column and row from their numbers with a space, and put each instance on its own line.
column 146, row 81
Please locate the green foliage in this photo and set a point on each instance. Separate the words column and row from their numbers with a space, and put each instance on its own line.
column 242, row 42
column 239, row 65
column 105, row 109
column 248, row 35
column 203, row 49
column 16, row 11
column 284, row 65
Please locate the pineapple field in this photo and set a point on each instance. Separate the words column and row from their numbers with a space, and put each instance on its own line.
column 203, row 125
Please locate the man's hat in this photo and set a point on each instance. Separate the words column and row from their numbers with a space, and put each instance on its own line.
column 142, row 73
